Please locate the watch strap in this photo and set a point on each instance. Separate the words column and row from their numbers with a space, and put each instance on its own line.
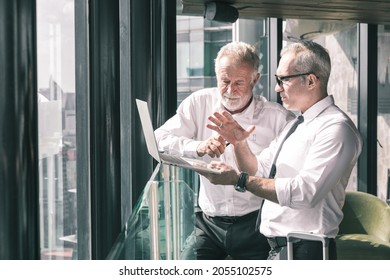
column 241, row 183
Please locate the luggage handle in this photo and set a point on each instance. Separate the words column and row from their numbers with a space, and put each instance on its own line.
column 295, row 236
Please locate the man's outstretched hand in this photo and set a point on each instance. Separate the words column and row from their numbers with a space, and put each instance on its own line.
column 229, row 128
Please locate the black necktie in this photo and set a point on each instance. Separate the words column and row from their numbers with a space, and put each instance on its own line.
column 272, row 172
column 297, row 122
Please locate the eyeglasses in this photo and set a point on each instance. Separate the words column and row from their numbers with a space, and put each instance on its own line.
column 281, row 79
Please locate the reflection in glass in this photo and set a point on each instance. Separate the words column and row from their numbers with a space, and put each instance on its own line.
column 57, row 138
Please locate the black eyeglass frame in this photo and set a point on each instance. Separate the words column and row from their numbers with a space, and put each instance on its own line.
column 279, row 79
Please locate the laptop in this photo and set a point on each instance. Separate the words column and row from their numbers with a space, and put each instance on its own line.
column 162, row 157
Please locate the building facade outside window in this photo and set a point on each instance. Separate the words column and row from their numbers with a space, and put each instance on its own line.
column 57, row 129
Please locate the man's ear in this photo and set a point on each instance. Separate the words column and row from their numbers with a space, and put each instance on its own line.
column 312, row 79
column 256, row 79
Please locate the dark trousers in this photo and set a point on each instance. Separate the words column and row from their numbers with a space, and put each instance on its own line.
column 219, row 237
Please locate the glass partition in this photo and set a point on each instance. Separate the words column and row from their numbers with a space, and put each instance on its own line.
column 162, row 222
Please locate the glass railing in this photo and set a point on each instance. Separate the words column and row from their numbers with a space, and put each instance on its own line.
column 162, row 224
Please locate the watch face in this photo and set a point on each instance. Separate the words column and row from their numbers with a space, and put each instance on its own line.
column 239, row 188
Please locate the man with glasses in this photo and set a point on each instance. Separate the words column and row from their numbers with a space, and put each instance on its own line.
column 225, row 226
column 302, row 176
column 280, row 79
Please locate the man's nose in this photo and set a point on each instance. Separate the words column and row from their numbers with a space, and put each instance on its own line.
column 278, row 88
column 232, row 87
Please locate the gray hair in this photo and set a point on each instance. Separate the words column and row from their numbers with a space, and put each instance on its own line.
column 240, row 52
column 310, row 57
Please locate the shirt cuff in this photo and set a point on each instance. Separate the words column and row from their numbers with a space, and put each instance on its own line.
column 190, row 149
column 283, row 191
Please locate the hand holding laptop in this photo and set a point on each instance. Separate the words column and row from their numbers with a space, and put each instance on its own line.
column 227, row 176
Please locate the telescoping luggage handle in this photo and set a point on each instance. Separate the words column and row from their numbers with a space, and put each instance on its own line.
column 298, row 235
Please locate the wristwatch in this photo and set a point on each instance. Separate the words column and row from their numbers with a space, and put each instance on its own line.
column 241, row 183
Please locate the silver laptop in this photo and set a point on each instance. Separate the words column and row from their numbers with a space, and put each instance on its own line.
column 161, row 157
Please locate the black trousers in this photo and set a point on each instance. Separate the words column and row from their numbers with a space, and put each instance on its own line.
column 219, row 237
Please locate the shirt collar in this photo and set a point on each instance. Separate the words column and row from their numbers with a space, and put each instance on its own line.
column 315, row 110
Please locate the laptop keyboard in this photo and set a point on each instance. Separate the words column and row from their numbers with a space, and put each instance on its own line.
column 173, row 159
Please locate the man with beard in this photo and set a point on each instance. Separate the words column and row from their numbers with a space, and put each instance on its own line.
column 225, row 226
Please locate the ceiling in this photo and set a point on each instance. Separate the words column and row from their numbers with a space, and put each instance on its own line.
column 362, row 11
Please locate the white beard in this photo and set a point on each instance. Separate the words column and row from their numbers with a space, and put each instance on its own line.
column 231, row 103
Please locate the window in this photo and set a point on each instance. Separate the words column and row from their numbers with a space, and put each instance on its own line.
column 383, row 119
column 57, row 133
column 198, row 42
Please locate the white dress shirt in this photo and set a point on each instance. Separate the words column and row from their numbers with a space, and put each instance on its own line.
column 312, row 172
column 187, row 129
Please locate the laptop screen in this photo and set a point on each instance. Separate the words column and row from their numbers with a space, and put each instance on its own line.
column 147, row 128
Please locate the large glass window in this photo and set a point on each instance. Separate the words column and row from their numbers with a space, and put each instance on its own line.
column 383, row 120
column 198, row 42
column 57, row 133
